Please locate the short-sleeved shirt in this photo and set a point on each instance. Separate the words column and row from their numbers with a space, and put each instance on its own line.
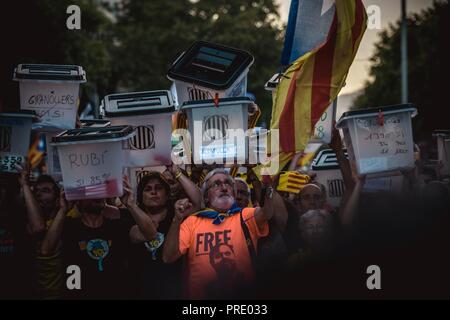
column 150, row 277
column 101, row 254
column 49, row 269
column 198, row 236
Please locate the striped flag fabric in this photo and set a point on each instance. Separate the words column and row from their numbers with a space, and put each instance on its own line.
column 321, row 42
column 308, row 26
column 36, row 152
column 253, row 118
column 108, row 189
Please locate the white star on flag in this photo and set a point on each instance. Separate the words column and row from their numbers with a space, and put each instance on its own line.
column 326, row 5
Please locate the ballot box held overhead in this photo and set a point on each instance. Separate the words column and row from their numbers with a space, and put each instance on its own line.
column 92, row 161
column 208, row 71
column 379, row 140
column 328, row 173
column 52, row 158
column 218, row 129
column 52, row 91
column 150, row 114
column 15, row 131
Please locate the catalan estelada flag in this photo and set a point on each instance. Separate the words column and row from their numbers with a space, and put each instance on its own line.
column 322, row 39
column 36, row 152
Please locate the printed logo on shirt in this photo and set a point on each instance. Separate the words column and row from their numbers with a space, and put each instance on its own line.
column 204, row 242
column 155, row 244
column 97, row 249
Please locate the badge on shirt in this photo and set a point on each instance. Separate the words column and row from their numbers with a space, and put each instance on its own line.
column 97, row 249
column 155, row 244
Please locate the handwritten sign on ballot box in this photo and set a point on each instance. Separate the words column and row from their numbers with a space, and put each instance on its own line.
column 92, row 161
column 379, row 139
column 52, row 92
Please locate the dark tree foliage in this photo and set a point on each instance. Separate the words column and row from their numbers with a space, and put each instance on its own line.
column 130, row 47
column 153, row 33
column 428, row 56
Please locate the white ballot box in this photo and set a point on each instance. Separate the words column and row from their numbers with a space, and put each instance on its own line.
column 52, row 91
column 92, row 160
column 208, row 71
column 379, row 139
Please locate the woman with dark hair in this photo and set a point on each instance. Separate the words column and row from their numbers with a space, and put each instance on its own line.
column 151, row 278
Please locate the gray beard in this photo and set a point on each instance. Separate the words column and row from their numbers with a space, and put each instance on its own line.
column 219, row 201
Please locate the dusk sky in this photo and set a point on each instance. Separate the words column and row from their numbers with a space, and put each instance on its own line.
column 390, row 12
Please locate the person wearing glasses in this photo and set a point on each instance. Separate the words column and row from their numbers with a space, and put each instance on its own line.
column 195, row 234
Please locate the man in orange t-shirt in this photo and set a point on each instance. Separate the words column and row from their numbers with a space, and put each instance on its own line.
column 219, row 257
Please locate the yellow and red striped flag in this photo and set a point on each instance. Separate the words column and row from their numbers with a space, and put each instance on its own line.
column 36, row 152
column 313, row 80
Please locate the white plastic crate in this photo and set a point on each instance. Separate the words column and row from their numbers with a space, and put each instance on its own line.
column 329, row 174
column 208, row 70
column 92, row 161
column 15, row 131
column 52, row 159
column 379, row 139
column 150, row 114
column 52, row 91
column 209, row 127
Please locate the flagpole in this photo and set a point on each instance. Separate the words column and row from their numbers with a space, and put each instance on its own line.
column 404, row 53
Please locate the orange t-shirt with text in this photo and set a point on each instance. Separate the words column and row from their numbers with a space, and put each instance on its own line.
column 198, row 235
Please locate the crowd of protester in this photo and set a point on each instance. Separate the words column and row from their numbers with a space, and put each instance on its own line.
column 203, row 234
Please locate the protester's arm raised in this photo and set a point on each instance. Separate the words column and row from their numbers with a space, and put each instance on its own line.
column 36, row 220
column 145, row 229
column 273, row 206
column 191, row 189
column 171, row 250
column 52, row 238
column 349, row 210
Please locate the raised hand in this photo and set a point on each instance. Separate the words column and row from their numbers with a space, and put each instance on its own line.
column 357, row 178
column 127, row 198
column 63, row 203
column 183, row 208
column 24, row 173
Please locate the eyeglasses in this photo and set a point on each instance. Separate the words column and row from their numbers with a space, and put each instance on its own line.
column 218, row 184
